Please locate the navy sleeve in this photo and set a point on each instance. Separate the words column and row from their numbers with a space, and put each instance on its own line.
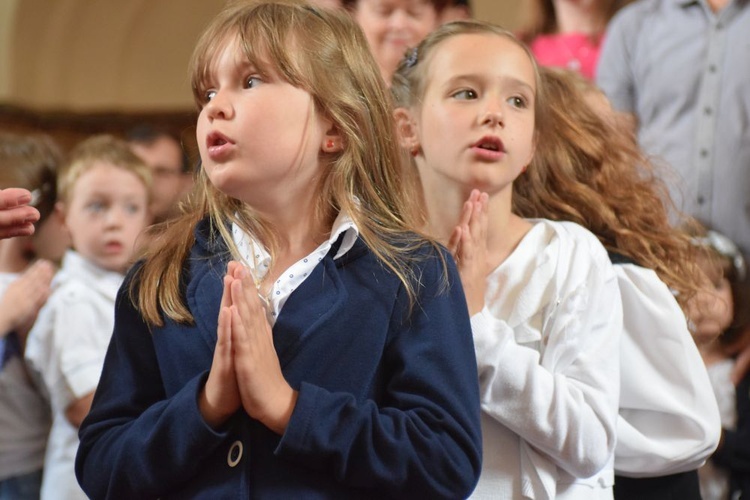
column 425, row 441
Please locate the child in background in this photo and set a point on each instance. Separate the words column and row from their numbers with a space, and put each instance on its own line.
column 27, row 265
column 569, row 33
column 289, row 336
column 589, row 170
column 546, row 310
column 104, row 196
column 721, row 317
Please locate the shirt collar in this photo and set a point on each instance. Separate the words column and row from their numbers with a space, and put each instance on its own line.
column 256, row 256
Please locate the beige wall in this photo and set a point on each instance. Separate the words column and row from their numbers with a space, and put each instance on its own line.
column 96, row 55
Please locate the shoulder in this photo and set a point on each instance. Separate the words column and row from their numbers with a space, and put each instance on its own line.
column 577, row 242
column 642, row 285
column 630, row 18
column 576, row 255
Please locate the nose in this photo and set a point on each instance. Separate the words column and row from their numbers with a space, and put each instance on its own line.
column 492, row 114
column 115, row 217
column 220, row 107
column 399, row 20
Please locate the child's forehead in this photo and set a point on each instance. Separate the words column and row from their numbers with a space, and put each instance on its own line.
column 481, row 54
column 98, row 174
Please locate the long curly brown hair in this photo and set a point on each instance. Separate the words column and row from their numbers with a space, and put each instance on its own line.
column 589, row 169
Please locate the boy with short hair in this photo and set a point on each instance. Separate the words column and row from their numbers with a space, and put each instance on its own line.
column 104, row 194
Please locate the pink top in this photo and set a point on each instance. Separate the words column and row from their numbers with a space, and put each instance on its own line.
column 576, row 51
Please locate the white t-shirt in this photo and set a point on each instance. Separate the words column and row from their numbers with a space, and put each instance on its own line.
column 67, row 347
column 547, row 345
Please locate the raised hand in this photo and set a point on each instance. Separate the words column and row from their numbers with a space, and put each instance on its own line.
column 266, row 395
column 16, row 217
column 220, row 397
column 468, row 244
column 24, row 297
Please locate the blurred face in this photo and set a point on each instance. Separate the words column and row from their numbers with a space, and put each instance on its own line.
column 711, row 311
column 51, row 239
column 393, row 26
column 106, row 213
column 259, row 136
column 164, row 158
column 475, row 126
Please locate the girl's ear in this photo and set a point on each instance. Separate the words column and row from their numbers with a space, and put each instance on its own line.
column 333, row 141
column 406, row 128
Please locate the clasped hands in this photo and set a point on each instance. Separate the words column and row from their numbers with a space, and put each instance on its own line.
column 245, row 371
column 468, row 245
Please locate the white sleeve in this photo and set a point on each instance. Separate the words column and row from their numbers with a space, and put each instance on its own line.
column 669, row 419
column 562, row 400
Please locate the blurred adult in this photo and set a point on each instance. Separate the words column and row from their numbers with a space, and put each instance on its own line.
column 170, row 168
column 680, row 67
column 393, row 26
column 569, row 33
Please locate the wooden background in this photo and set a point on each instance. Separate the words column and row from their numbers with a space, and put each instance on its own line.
column 75, row 67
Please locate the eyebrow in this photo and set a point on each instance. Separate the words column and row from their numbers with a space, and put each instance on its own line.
column 472, row 78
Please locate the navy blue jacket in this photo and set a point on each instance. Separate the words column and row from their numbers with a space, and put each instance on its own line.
column 388, row 399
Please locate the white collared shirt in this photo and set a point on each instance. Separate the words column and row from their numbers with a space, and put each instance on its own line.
column 258, row 260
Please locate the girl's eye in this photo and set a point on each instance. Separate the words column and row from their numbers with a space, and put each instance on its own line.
column 95, row 206
column 518, row 102
column 252, row 82
column 209, row 95
column 465, row 94
column 132, row 208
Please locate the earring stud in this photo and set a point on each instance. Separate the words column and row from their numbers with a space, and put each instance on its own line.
column 330, row 144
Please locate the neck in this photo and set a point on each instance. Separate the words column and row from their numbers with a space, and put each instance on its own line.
column 13, row 257
column 575, row 16
column 298, row 233
column 717, row 5
column 505, row 229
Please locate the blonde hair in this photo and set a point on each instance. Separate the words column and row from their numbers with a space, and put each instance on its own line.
column 589, row 171
column 324, row 53
column 100, row 148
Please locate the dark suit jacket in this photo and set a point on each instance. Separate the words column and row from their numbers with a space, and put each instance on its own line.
column 388, row 399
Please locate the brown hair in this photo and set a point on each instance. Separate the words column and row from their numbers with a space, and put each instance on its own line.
column 588, row 170
column 100, row 148
column 366, row 179
column 31, row 162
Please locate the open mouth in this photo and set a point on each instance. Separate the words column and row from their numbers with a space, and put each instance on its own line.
column 216, row 139
column 490, row 143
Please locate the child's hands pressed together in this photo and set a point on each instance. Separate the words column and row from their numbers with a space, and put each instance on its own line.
column 265, row 394
column 220, row 397
column 468, row 245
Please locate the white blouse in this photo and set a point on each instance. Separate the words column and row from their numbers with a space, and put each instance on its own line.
column 547, row 345
column 669, row 420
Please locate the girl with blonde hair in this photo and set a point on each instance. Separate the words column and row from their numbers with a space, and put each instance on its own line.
column 290, row 335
